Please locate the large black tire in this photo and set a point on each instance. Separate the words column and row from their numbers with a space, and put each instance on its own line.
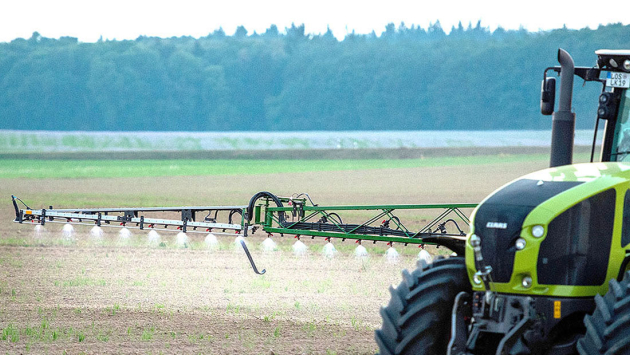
column 608, row 329
column 417, row 319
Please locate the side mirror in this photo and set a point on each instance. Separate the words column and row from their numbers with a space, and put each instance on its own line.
column 548, row 96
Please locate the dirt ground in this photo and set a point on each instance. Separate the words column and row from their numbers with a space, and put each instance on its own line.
column 96, row 295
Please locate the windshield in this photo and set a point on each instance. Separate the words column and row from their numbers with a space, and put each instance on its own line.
column 622, row 131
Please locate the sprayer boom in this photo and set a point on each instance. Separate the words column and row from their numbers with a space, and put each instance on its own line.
column 141, row 217
column 296, row 215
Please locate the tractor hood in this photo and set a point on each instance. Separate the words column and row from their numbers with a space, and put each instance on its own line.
column 499, row 219
column 537, row 199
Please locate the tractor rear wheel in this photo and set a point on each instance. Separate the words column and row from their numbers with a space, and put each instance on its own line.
column 608, row 329
column 417, row 319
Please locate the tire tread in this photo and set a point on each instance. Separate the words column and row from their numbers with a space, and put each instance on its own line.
column 608, row 328
column 418, row 316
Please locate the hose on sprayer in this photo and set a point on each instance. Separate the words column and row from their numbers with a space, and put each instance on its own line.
column 264, row 194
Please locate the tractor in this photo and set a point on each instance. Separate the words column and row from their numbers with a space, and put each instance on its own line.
column 545, row 267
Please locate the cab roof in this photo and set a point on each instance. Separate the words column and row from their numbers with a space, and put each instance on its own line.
column 616, row 60
column 621, row 52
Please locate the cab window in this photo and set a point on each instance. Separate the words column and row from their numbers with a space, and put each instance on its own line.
column 625, row 226
column 622, row 131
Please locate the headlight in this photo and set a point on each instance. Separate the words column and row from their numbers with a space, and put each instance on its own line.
column 626, row 64
column 520, row 244
column 527, row 282
column 538, row 231
column 613, row 63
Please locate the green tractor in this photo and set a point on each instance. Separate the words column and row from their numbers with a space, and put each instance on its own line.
column 546, row 261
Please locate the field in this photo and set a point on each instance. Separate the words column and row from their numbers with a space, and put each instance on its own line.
column 96, row 295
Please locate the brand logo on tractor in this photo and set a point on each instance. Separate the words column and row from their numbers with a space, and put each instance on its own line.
column 496, row 225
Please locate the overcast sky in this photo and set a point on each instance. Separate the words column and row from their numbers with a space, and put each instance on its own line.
column 127, row 19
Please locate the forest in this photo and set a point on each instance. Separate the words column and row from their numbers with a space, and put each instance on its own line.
column 404, row 78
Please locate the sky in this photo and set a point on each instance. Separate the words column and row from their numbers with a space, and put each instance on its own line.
column 89, row 20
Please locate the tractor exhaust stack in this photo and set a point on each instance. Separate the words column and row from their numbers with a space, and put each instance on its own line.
column 563, row 123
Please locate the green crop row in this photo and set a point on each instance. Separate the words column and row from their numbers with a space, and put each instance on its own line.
column 37, row 169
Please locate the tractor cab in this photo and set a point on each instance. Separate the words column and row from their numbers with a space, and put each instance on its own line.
column 620, row 140
column 614, row 104
column 613, row 72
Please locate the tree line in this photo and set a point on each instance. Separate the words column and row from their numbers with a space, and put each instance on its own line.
column 405, row 78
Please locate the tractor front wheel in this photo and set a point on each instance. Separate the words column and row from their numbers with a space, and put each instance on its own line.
column 608, row 329
column 417, row 319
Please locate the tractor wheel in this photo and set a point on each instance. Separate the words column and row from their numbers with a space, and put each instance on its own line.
column 608, row 329
column 417, row 319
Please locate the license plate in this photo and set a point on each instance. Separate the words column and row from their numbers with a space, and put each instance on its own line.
column 618, row 80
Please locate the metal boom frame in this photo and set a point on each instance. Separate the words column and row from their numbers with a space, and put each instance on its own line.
column 329, row 226
column 313, row 220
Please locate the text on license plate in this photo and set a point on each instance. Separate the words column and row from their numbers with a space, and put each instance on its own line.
column 618, row 80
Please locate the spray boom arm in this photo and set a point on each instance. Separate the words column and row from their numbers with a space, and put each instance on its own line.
column 295, row 215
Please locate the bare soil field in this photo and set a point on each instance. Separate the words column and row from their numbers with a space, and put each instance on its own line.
column 98, row 295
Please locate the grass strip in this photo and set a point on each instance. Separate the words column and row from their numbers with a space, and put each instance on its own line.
column 42, row 169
